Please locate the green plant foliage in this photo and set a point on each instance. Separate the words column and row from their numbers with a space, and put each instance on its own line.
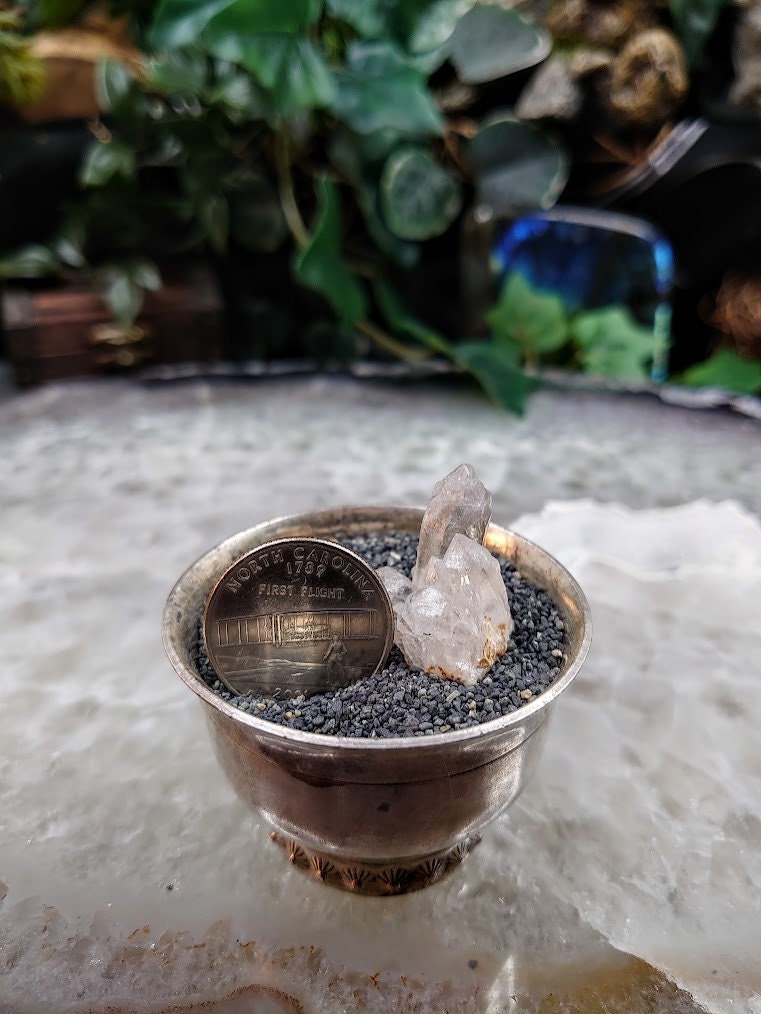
column 291, row 68
column 401, row 321
column 401, row 252
column 498, row 370
column 418, row 198
column 535, row 321
column 123, row 297
column 123, row 287
column 536, row 328
column 240, row 99
column 178, row 23
column 372, row 19
column 516, row 166
column 264, row 36
column 182, row 73
column 380, row 90
column 491, row 41
column 106, row 161
column 68, row 245
column 612, row 344
column 726, row 370
column 495, row 366
column 114, row 85
column 321, row 266
column 436, row 24
column 254, row 117
column 31, row 261
column 694, row 21
column 146, row 275
column 22, row 75
column 373, row 149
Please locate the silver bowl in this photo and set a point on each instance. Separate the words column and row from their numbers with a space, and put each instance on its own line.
column 379, row 816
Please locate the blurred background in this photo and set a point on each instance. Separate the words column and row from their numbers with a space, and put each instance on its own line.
column 504, row 190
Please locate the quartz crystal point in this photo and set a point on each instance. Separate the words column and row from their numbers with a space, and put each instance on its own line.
column 396, row 584
column 459, row 503
column 456, row 621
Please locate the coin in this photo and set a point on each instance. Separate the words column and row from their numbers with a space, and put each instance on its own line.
column 297, row 616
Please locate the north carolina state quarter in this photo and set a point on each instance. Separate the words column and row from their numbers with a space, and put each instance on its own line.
column 297, row 616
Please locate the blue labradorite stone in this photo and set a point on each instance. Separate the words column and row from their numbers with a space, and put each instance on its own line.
column 592, row 259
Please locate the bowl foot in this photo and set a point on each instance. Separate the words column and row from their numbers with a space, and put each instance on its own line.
column 375, row 879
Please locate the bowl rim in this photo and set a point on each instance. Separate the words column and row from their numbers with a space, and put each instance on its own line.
column 330, row 743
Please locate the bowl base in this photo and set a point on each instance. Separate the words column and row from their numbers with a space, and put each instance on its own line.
column 376, row 879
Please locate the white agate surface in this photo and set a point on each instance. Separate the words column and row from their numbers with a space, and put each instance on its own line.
column 640, row 829
column 660, row 737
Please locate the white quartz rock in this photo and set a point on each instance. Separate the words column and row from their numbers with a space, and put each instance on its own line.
column 460, row 503
column 457, row 623
column 396, row 584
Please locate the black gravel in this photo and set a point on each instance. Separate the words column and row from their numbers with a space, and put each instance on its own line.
column 401, row 701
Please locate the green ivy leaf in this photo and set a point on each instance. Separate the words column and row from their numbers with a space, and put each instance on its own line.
column 122, row 295
column 114, row 84
column 418, row 198
column 267, row 37
column 320, row 266
column 401, row 321
column 291, row 68
column 516, row 166
column 436, row 24
column 31, row 261
column 145, row 274
column 495, row 367
column 69, row 252
column 376, row 146
column 106, row 160
column 491, row 41
column 726, row 370
column 179, row 23
column 612, row 344
column 694, row 21
column 180, row 73
column 372, row 19
column 70, row 241
column 242, row 99
column 497, row 370
column 535, row 321
column 429, row 62
column 402, row 252
column 380, row 90
column 356, row 158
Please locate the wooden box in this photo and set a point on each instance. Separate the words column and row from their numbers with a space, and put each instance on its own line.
column 67, row 331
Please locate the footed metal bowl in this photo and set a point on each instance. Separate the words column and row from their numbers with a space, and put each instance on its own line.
column 379, row 816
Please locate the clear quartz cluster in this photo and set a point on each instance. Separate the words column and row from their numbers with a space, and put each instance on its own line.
column 459, row 504
column 453, row 618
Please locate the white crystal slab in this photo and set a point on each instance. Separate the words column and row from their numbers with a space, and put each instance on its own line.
column 701, row 535
column 640, row 829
